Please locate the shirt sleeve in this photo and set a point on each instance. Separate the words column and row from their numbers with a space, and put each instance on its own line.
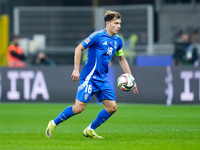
column 120, row 44
column 119, row 51
column 90, row 40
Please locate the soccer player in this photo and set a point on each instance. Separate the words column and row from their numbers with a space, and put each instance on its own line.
column 102, row 45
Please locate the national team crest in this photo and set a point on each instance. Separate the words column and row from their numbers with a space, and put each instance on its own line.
column 115, row 44
column 86, row 96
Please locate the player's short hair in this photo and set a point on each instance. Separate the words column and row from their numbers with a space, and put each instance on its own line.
column 110, row 15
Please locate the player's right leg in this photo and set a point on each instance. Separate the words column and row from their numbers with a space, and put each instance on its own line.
column 68, row 112
column 50, row 129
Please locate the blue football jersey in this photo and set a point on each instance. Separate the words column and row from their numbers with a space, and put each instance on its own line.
column 101, row 46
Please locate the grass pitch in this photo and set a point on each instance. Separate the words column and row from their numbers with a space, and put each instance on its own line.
column 132, row 127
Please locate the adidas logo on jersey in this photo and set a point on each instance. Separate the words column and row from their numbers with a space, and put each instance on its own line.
column 105, row 43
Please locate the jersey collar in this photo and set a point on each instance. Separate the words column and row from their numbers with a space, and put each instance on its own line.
column 115, row 36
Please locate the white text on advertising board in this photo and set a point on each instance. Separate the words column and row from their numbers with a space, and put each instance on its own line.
column 33, row 85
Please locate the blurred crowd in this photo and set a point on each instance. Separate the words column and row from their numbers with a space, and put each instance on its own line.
column 185, row 53
column 17, row 58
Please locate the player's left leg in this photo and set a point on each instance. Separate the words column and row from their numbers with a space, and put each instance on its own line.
column 106, row 95
column 104, row 114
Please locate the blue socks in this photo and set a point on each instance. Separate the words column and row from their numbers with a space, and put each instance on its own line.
column 64, row 115
column 100, row 119
column 68, row 112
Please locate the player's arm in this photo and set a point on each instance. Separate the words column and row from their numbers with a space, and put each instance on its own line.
column 122, row 61
column 125, row 66
column 77, row 56
column 77, row 59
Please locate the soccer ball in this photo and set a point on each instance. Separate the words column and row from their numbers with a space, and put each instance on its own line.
column 126, row 82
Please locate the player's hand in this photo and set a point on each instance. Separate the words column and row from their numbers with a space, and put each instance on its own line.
column 135, row 90
column 75, row 75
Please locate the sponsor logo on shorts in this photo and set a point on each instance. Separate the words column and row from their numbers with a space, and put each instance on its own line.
column 86, row 96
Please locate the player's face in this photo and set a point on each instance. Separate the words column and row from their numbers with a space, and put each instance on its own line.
column 113, row 26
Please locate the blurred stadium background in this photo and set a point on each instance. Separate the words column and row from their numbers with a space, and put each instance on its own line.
column 149, row 29
column 30, row 96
